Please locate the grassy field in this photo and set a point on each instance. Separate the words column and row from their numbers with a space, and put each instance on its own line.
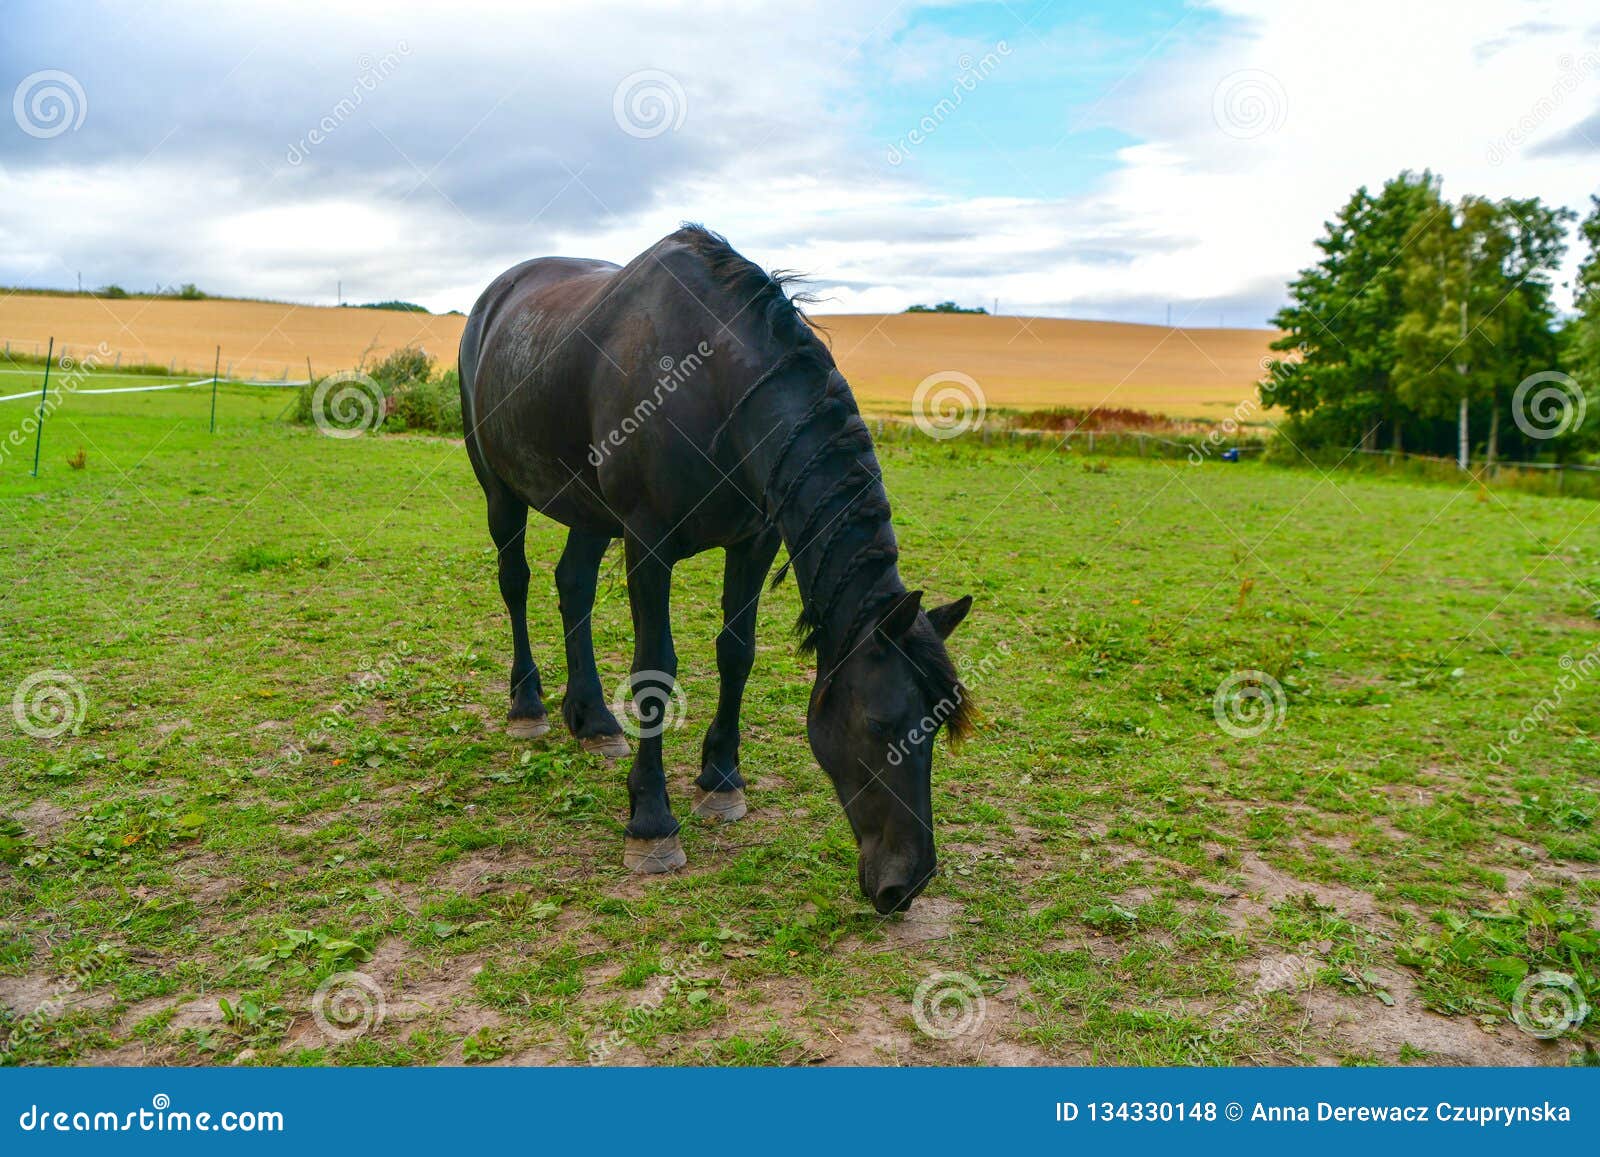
column 289, row 766
column 1019, row 363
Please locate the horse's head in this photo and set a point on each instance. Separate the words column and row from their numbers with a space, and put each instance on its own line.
column 872, row 722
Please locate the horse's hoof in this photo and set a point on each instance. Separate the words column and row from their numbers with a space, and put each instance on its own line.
column 721, row 807
column 652, row 857
column 609, row 746
column 528, row 728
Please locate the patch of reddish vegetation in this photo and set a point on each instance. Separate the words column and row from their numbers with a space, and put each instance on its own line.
column 1065, row 419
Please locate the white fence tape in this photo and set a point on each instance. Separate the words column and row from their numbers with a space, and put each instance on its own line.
column 152, row 389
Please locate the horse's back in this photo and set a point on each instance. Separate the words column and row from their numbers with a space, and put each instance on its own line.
column 523, row 392
column 567, row 281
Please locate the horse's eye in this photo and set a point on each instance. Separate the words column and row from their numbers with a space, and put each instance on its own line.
column 882, row 728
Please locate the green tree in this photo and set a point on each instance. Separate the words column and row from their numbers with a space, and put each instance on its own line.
column 1477, row 313
column 1581, row 337
column 1340, row 323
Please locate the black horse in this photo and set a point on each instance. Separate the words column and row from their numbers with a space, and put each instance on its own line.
column 680, row 403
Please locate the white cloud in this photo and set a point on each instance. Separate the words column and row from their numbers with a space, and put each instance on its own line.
column 494, row 140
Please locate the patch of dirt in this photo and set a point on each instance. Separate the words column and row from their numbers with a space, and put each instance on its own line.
column 41, row 819
column 414, row 991
column 930, row 918
column 982, row 1029
column 1262, row 887
column 28, row 996
column 1363, row 1026
column 484, row 871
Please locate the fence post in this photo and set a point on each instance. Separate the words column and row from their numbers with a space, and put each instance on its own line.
column 44, row 391
column 215, row 366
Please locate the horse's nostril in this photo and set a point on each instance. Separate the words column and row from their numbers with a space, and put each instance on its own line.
column 893, row 898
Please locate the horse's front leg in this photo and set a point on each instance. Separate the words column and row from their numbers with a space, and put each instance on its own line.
column 720, row 794
column 651, row 843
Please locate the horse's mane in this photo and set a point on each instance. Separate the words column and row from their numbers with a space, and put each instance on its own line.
column 769, row 294
column 844, row 436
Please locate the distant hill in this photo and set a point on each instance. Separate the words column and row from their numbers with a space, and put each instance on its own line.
column 1018, row 363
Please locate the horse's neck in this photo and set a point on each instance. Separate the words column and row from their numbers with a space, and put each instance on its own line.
column 830, row 507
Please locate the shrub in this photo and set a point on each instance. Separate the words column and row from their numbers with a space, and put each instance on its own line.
column 432, row 403
column 416, row 397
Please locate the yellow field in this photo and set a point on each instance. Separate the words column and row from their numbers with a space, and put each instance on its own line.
column 1017, row 362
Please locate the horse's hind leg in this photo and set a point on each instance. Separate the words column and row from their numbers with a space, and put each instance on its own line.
column 508, row 524
column 584, row 705
column 721, row 787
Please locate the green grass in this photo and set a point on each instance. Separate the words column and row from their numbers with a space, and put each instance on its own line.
column 291, row 767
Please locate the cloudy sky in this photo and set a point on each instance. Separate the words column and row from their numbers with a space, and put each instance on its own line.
column 1091, row 159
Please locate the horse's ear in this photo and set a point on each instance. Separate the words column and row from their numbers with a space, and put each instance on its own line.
column 948, row 617
column 901, row 616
